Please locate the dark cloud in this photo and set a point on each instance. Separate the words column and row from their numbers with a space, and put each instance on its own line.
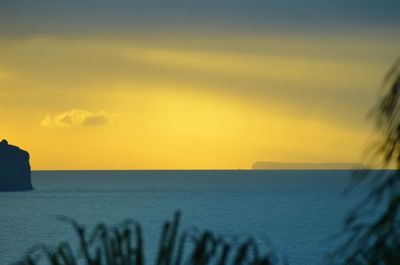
column 132, row 17
column 96, row 120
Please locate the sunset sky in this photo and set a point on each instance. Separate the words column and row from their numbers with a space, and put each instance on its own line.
column 192, row 84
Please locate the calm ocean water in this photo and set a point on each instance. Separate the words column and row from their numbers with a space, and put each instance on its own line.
column 298, row 211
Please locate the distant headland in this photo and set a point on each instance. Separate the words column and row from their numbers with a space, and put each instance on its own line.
column 267, row 165
column 15, row 170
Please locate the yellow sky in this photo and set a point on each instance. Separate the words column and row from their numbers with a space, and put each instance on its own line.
column 221, row 102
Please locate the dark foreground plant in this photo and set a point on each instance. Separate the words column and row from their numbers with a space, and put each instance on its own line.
column 123, row 245
column 373, row 227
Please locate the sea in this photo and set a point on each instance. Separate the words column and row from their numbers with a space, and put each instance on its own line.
column 301, row 213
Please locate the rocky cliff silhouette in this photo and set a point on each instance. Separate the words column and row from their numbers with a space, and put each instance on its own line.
column 268, row 165
column 15, row 170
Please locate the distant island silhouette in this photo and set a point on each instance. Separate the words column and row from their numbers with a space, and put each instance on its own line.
column 268, row 165
column 15, row 170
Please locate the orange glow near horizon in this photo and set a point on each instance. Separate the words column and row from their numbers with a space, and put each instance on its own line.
column 124, row 104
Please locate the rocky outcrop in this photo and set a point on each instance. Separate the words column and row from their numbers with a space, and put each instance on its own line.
column 267, row 165
column 15, row 170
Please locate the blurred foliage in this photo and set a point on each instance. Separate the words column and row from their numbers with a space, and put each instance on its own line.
column 123, row 245
column 387, row 117
column 372, row 228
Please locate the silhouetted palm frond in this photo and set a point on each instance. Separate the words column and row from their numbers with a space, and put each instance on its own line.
column 123, row 245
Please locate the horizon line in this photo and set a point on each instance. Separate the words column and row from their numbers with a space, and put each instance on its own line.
column 247, row 169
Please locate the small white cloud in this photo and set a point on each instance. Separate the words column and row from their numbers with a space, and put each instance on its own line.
column 76, row 117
